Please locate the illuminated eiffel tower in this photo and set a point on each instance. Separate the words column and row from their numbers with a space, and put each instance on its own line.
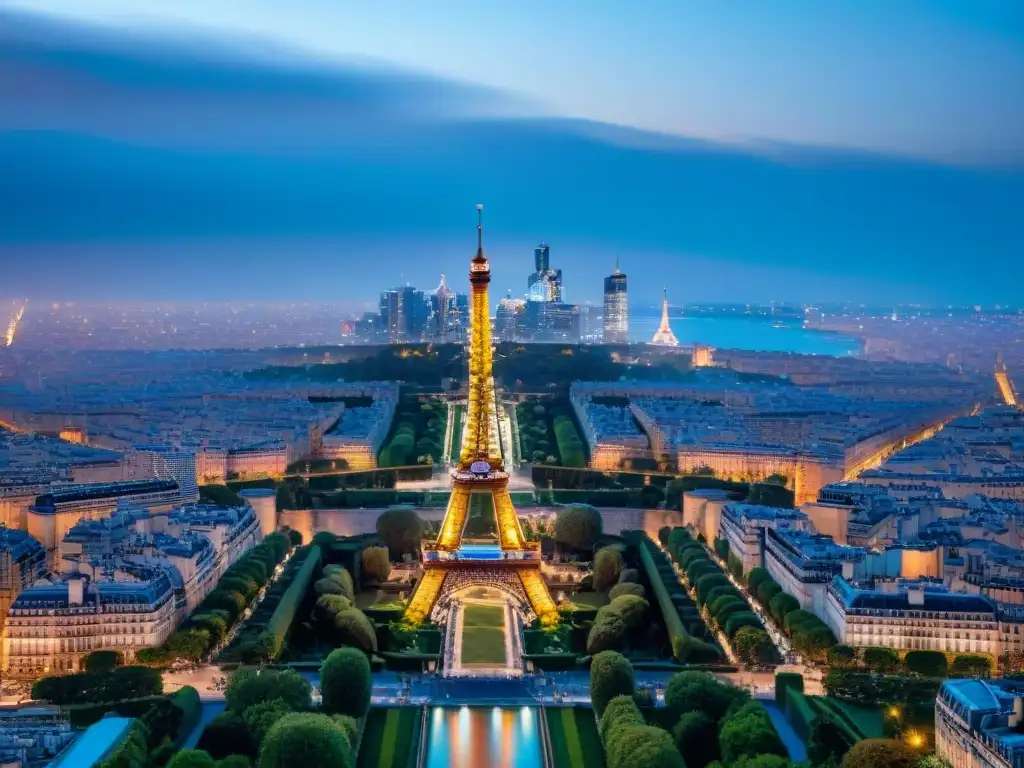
column 664, row 335
column 479, row 478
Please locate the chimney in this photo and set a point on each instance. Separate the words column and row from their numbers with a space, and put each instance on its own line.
column 76, row 590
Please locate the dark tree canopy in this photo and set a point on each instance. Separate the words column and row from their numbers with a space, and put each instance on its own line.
column 881, row 753
column 401, row 529
column 578, row 526
column 345, row 682
column 306, row 740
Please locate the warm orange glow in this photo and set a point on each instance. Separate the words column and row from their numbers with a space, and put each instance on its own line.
column 915, row 739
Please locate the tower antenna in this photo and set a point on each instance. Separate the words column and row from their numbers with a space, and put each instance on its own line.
column 480, row 226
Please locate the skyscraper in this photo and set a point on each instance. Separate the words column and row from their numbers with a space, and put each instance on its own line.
column 545, row 284
column 404, row 312
column 616, row 308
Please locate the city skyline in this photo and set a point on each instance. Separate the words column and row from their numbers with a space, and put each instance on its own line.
column 237, row 198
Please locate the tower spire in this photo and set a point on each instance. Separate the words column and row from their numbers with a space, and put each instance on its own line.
column 664, row 336
column 617, row 272
column 480, row 227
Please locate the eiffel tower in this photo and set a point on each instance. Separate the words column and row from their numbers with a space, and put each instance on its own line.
column 664, row 336
column 479, row 477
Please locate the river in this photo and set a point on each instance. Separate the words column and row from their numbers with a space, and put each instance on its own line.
column 746, row 333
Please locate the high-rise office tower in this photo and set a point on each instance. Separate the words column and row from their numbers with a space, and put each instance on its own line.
column 542, row 257
column 616, row 308
column 404, row 312
column 545, row 284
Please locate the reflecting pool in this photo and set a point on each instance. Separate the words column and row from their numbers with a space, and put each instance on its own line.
column 468, row 737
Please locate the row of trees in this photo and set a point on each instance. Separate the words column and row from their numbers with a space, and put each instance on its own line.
column 720, row 598
column 886, row 661
column 99, row 684
column 809, row 635
column 220, row 610
column 418, row 434
column 261, row 639
column 548, row 433
column 710, row 722
column 338, row 620
column 691, row 642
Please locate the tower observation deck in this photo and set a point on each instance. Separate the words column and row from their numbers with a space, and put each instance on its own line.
column 479, row 480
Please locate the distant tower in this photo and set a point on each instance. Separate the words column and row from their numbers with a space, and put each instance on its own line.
column 616, row 308
column 664, row 336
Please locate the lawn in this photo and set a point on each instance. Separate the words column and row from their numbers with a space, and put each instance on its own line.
column 574, row 739
column 479, row 615
column 390, row 738
column 483, row 646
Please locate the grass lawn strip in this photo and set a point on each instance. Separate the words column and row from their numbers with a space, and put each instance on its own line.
column 373, row 735
column 480, row 615
column 556, row 731
column 387, row 745
column 572, row 739
column 483, row 646
column 589, row 739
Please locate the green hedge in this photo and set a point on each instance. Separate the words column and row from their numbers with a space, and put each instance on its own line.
column 799, row 712
column 84, row 715
column 284, row 614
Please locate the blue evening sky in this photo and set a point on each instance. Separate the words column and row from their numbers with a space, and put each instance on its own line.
column 802, row 149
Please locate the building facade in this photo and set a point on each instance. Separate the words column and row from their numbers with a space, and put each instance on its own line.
column 978, row 723
column 912, row 616
column 744, row 527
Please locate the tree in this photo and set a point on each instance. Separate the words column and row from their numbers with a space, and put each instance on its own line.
column 607, row 634
column 748, row 732
column 842, row 656
column 611, row 675
column 335, row 581
column 696, row 738
column 757, row 577
column 970, row 665
column 191, row 758
column 766, row 591
column 607, row 566
column 782, row 605
column 926, row 663
column 98, row 662
column 754, row 646
column 813, row 641
column 306, row 740
column 699, row 567
column 260, row 718
column 689, row 691
column 346, row 682
column 356, row 630
column 401, row 529
column 884, row 661
column 227, row 734
column 253, row 686
column 626, row 588
column 234, row 761
column 620, row 711
column 329, row 606
column 881, row 753
column 631, row 608
column 645, row 746
column 376, row 563
column 740, row 620
column 706, row 583
column 578, row 526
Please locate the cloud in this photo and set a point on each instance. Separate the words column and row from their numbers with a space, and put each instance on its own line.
column 128, row 161
column 180, row 88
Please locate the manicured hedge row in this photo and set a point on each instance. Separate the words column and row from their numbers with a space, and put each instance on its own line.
column 262, row 638
column 674, row 604
column 284, row 614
